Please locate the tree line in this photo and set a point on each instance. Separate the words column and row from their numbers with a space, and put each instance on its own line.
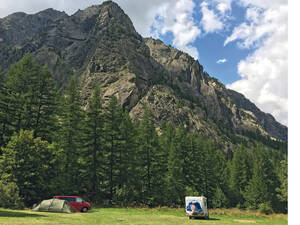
column 51, row 146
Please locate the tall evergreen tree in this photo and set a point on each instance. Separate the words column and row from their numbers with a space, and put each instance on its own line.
column 165, row 143
column 21, row 78
column 176, row 176
column 241, row 173
column 71, row 137
column 148, row 158
column 282, row 190
column 92, row 157
column 112, row 135
column 5, row 129
column 193, row 165
column 127, row 161
column 222, row 174
column 204, row 167
column 208, row 168
column 166, row 138
column 31, row 98
column 261, row 187
column 45, row 105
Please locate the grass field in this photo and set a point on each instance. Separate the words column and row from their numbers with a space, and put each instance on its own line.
column 122, row 216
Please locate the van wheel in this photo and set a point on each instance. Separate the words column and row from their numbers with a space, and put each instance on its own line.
column 84, row 209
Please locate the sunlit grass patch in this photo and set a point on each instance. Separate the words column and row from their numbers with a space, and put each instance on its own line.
column 135, row 216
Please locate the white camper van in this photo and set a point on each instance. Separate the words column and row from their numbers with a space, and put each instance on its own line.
column 196, row 207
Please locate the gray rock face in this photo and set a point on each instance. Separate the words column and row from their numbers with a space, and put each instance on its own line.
column 101, row 47
column 19, row 28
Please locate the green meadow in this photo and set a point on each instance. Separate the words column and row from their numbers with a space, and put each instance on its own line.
column 141, row 216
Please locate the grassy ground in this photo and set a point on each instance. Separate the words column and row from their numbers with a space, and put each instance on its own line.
column 132, row 216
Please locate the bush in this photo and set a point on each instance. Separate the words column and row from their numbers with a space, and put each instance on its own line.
column 265, row 208
column 9, row 196
column 219, row 200
column 241, row 206
column 28, row 162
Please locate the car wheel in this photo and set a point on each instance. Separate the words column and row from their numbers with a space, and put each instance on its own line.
column 84, row 209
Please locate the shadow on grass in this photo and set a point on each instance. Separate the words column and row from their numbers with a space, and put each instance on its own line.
column 18, row 214
column 205, row 219
column 213, row 219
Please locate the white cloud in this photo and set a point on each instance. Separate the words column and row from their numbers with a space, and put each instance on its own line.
column 223, row 6
column 260, row 24
column 264, row 73
column 263, row 3
column 215, row 15
column 210, row 21
column 34, row 6
column 143, row 13
column 220, row 61
column 177, row 18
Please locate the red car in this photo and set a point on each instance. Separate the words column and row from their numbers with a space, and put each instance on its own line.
column 76, row 203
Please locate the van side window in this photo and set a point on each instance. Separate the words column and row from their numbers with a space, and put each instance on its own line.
column 70, row 199
column 79, row 200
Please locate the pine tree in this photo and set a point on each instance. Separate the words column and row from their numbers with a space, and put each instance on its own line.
column 31, row 98
column 70, row 137
column 165, row 143
column 193, row 166
column 206, row 166
column 208, row 171
column 5, row 128
column 219, row 200
column 92, row 157
column 45, row 105
column 148, row 158
column 261, row 187
column 20, row 80
column 127, row 161
column 282, row 190
column 112, row 134
column 241, row 173
column 222, row 174
column 176, row 177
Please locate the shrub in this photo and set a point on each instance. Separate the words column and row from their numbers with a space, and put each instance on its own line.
column 28, row 162
column 219, row 200
column 9, row 196
column 265, row 208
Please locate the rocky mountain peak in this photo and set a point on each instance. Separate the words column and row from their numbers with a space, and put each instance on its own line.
column 18, row 28
column 52, row 14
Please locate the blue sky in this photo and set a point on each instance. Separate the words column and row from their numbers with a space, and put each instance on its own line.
column 242, row 43
column 218, row 60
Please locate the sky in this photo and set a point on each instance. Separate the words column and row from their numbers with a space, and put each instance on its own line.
column 242, row 43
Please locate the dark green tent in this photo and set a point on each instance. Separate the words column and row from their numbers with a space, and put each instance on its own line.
column 53, row 205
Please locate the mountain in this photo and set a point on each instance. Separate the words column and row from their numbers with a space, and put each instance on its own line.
column 101, row 47
column 18, row 28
